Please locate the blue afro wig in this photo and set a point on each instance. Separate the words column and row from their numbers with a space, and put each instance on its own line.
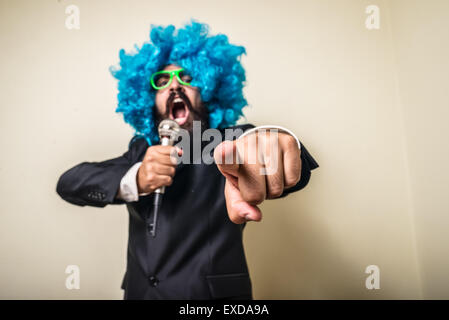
column 212, row 61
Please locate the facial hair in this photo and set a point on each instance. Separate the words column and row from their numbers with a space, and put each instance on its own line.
column 199, row 113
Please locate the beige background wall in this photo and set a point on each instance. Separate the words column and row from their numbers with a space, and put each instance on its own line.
column 420, row 38
column 368, row 104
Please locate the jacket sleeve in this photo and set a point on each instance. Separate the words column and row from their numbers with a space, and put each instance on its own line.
column 308, row 163
column 97, row 183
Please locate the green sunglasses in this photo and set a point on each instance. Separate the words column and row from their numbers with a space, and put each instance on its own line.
column 162, row 79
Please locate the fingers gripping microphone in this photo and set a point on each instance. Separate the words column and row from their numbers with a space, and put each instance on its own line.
column 168, row 132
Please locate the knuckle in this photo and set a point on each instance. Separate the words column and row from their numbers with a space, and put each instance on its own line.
column 276, row 191
column 291, row 182
column 149, row 157
column 168, row 181
column 290, row 142
column 254, row 197
column 151, row 176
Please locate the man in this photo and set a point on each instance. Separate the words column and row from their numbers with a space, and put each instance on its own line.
column 191, row 78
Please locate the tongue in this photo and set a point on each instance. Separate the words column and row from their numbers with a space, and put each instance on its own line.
column 179, row 113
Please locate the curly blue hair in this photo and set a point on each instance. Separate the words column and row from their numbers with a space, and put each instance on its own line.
column 212, row 61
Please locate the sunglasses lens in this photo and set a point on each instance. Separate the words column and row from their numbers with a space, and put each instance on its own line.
column 160, row 80
column 185, row 78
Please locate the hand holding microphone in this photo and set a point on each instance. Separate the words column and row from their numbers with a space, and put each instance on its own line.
column 158, row 167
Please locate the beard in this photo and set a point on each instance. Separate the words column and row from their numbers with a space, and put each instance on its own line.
column 196, row 113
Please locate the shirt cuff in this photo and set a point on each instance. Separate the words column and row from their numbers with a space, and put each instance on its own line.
column 267, row 127
column 128, row 185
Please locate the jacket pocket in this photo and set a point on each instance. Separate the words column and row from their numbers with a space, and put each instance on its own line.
column 229, row 285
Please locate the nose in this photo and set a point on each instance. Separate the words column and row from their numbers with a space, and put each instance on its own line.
column 175, row 85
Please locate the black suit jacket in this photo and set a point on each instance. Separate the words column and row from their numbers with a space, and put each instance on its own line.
column 197, row 252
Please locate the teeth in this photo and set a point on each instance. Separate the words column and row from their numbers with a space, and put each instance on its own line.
column 177, row 100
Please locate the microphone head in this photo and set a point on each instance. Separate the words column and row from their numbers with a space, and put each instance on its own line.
column 168, row 128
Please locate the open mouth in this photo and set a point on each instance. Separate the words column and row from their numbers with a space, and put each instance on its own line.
column 179, row 111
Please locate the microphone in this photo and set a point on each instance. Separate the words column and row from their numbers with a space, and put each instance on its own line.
column 168, row 133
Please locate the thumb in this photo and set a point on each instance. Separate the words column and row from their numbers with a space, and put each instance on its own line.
column 225, row 156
